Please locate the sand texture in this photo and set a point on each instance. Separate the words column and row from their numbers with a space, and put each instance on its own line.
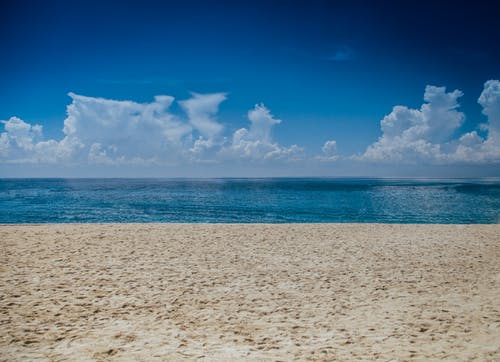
column 150, row 292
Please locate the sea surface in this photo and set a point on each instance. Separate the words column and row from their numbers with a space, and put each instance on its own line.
column 269, row 200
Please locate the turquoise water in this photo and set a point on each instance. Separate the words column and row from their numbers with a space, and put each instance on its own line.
column 249, row 200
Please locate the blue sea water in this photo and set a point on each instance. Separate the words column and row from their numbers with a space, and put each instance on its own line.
column 278, row 200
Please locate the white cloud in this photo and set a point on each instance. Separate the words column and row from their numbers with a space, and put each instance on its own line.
column 112, row 132
column 262, row 122
column 440, row 116
column 424, row 135
column 201, row 110
column 19, row 134
column 122, row 131
column 470, row 139
column 434, row 122
column 329, row 148
column 104, row 131
column 490, row 101
column 99, row 130
column 256, row 142
column 329, row 151
column 414, row 135
column 21, row 142
column 471, row 146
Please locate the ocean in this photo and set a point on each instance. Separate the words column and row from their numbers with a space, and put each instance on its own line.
column 268, row 200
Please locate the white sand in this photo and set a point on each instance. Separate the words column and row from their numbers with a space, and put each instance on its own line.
column 247, row 292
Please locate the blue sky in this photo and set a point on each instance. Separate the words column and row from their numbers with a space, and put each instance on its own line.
column 330, row 71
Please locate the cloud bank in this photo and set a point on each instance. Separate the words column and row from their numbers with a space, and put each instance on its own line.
column 104, row 131
column 99, row 131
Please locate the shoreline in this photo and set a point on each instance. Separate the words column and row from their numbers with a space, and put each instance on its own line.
column 250, row 291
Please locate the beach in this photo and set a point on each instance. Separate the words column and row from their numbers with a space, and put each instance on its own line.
column 249, row 292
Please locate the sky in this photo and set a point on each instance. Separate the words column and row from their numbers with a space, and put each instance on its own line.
column 249, row 88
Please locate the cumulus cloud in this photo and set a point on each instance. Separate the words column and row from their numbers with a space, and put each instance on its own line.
column 99, row 130
column 471, row 146
column 201, row 110
column 262, row 122
column 329, row 151
column 424, row 135
column 256, row 142
column 105, row 131
column 490, row 101
column 416, row 134
column 329, row 148
column 22, row 143
column 124, row 131
column 111, row 132
column 19, row 135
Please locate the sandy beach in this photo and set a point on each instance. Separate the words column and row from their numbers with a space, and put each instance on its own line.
column 249, row 292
